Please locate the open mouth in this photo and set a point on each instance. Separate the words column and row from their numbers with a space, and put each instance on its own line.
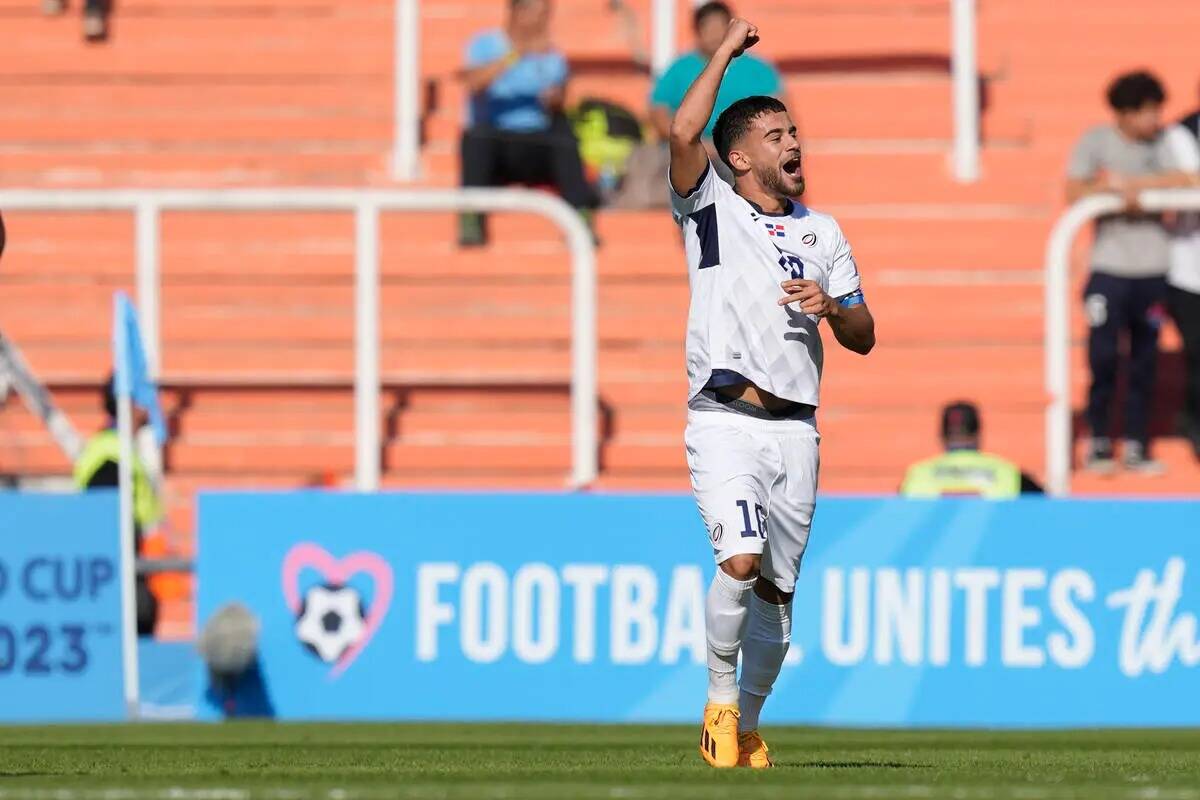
column 792, row 166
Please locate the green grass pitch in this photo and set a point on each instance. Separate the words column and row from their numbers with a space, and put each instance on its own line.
column 243, row 761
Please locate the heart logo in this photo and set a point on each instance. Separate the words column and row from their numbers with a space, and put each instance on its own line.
column 307, row 555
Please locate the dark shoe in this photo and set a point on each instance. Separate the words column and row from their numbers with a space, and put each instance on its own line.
column 1099, row 458
column 1190, row 429
column 1136, row 458
column 470, row 230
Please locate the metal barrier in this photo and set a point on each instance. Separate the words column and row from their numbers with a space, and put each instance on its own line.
column 147, row 205
column 1058, row 315
column 406, row 88
column 965, row 75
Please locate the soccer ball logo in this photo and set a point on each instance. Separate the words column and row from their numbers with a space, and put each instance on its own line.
column 331, row 620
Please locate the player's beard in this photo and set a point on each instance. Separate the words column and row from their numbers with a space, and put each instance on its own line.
column 774, row 181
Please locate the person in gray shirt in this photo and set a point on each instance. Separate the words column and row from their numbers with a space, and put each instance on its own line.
column 1126, row 291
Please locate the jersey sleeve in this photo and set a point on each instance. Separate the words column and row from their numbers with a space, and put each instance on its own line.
column 845, row 285
column 703, row 194
column 1085, row 158
column 483, row 49
column 557, row 70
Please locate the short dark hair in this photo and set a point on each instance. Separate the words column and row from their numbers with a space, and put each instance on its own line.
column 960, row 420
column 734, row 121
column 706, row 10
column 1133, row 90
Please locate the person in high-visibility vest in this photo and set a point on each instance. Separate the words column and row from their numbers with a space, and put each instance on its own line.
column 97, row 467
column 963, row 470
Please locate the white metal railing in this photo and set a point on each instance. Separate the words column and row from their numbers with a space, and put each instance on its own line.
column 1058, row 315
column 406, row 87
column 148, row 204
column 964, row 71
column 662, row 36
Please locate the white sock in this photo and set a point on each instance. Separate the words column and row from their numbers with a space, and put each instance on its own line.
column 724, row 621
column 768, row 633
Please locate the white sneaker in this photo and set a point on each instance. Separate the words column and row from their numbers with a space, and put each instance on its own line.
column 1099, row 458
column 1135, row 459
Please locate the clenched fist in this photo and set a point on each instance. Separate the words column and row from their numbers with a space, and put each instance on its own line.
column 740, row 36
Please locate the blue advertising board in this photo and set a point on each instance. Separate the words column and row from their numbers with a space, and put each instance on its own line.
column 60, row 607
column 590, row 607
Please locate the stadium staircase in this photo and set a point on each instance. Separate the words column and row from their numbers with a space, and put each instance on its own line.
column 257, row 311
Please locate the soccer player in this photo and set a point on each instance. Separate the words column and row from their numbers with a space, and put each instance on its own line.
column 764, row 271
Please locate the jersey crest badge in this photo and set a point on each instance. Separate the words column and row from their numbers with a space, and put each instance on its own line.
column 775, row 230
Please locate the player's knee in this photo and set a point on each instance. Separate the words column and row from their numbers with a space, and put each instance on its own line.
column 741, row 567
column 771, row 593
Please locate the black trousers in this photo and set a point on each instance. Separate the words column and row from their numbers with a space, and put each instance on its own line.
column 492, row 157
column 1185, row 309
column 1123, row 308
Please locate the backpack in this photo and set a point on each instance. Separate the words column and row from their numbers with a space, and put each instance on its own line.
column 608, row 134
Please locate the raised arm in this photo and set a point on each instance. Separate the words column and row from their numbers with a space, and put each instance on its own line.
column 688, row 156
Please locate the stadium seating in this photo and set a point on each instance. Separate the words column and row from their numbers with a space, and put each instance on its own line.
column 257, row 311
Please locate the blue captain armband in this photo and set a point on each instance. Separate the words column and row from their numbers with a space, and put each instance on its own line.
column 855, row 298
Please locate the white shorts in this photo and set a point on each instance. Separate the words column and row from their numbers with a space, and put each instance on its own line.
column 755, row 482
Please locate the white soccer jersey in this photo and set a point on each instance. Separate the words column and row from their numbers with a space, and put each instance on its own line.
column 737, row 257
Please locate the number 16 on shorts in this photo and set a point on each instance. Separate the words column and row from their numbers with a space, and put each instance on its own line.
column 759, row 529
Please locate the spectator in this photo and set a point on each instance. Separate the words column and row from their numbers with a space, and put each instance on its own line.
column 97, row 467
column 95, row 16
column 747, row 75
column 963, row 469
column 1183, row 277
column 516, row 131
column 1126, row 291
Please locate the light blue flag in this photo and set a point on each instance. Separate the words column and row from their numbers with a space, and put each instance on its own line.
column 130, row 370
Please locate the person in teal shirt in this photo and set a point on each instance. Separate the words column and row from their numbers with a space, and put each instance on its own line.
column 747, row 75
column 645, row 181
